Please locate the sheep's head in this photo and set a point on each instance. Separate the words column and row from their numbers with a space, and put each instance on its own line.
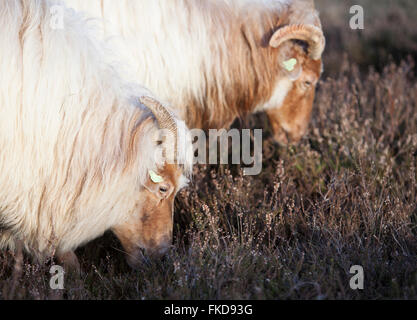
column 149, row 226
column 301, row 67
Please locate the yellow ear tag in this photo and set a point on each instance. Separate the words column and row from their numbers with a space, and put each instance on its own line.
column 154, row 177
column 290, row 64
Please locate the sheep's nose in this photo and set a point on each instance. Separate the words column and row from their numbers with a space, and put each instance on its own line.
column 286, row 138
column 136, row 258
column 294, row 139
column 281, row 137
column 159, row 252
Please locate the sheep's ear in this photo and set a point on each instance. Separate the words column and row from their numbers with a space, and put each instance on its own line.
column 292, row 68
column 158, row 186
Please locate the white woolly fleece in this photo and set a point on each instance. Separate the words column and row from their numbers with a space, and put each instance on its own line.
column 65, row 113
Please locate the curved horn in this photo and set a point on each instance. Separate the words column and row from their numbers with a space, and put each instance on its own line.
column 311, row 34
column 163, row 116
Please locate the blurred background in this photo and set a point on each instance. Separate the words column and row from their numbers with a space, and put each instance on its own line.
column 390, row 33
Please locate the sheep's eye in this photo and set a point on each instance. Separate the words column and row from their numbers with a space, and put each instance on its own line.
column 163, row 189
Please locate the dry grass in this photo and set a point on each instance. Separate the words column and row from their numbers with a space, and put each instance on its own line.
column 346, row 195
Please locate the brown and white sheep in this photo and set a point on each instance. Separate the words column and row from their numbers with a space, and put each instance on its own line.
column 215, row 60
column 80, row 147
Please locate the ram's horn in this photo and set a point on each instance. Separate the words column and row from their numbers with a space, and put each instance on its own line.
column 311, row 34
column 164, row 118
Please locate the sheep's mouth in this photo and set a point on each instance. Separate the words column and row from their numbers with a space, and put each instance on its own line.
column 282, row 137
column 144, row 257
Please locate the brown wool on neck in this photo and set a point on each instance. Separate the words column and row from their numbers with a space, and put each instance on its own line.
column 249, row 70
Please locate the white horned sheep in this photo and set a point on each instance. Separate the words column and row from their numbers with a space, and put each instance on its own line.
column 215, row 60
column 81, row 149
